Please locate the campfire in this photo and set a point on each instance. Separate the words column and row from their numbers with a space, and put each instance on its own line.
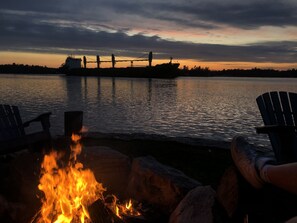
column 72, row 194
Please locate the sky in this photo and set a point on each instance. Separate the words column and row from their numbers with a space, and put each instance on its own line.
column 209, row 33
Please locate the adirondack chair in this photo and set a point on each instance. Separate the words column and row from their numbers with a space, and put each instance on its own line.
column 12, row 130
column 279, row 114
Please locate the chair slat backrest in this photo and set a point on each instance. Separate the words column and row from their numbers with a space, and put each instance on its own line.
column 18, row 119
column 287, row 111
column 262, row 109
column 4, row 123
column 11, row 125
column 266, row 110
column 279, row 108
column 293, row 100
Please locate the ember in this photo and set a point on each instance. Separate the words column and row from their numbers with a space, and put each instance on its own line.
column 69, row 190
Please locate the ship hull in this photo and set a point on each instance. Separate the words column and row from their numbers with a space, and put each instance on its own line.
column 159, row 71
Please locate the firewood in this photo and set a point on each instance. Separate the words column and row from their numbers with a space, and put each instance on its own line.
column 99, row 213
column 134, row 219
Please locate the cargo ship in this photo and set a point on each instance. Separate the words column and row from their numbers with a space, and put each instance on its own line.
column 72, row 67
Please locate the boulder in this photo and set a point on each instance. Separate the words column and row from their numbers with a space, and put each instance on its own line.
column 197, row 206
column 228, row 191
column 292, row 220
column 110, row 167
column 21, row 191
column 242, row 201
column 158, row 184
column 11, row 212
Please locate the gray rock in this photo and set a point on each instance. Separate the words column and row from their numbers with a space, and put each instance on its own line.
column 110, row 167
column 197, row 206
column 292, row 220
column 228, row 191
column 158, row 184
column 22, row 182
column 10, row 211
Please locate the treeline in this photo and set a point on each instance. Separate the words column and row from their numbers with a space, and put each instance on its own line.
column 254, row 72
column 26, row 69
column 185, row 71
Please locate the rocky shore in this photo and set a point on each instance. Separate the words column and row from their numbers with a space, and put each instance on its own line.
column 186, row 154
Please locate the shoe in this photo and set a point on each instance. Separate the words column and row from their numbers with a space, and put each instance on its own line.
column 248, row 162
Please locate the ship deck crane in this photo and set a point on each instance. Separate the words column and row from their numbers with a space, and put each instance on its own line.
column 113, row 61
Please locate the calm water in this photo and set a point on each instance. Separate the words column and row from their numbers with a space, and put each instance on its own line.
column 216, row 108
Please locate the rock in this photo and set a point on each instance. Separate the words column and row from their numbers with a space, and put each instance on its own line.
column 241, row 201
column 110, row 167
column 23, row 184
column 11, row 212
column 228, row 191
column 158, row 184
column 292, row 220
column 100, row 213
column 25, row 172
column 197, row 206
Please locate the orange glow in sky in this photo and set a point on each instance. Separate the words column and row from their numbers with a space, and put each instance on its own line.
column 206, row 33
column 49, row 60
column 56, row 60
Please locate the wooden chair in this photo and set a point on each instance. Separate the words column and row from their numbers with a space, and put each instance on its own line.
column 279, row 114
column 12, row 130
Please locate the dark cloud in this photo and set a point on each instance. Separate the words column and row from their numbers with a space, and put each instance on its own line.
column 55, row 6
column 27, row 33
column 207, row 14
column 87, row 27
column 253, row 15
column 241, row 14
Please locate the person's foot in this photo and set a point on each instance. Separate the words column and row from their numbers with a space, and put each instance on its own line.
column 248, row 162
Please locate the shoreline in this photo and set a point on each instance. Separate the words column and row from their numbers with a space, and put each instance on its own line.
column 194, row 72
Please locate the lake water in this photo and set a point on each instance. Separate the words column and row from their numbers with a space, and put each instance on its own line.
column 215, row 108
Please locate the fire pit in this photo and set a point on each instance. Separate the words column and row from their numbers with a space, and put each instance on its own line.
column 91, row 185
column 72, row 194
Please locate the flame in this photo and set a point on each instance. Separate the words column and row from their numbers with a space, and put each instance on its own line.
column 69, row 190
column 84, row 129
column 127, row 209
column 121, row 210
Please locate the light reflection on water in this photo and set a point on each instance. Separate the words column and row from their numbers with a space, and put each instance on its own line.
column 216, row 108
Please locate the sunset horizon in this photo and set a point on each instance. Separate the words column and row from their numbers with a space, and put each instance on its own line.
column 56, row 61
column 205, row 33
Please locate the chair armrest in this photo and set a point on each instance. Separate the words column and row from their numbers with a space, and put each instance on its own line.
column 43, row 118
column 276, row 128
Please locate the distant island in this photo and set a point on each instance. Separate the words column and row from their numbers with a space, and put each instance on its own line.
column 253, row 72
column 184, row 72
column 27, row 69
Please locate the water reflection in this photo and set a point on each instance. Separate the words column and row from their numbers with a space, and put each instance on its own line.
column 74, row 91
column 216, row 108
column 123, row 105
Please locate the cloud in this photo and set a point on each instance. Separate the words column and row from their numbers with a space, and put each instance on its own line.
column 29, row 33
column 205, row 14
column 209, row 14
column 102, row 27
column 240, row 14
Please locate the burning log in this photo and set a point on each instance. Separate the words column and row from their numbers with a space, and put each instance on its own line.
column 99, row 213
